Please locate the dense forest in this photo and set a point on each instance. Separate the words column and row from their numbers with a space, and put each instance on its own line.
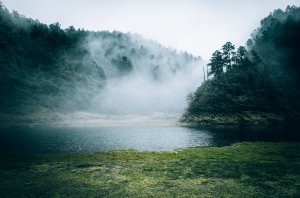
column 47, row 67
column 253, row 85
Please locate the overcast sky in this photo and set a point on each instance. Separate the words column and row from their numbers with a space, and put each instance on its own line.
column 197, row 26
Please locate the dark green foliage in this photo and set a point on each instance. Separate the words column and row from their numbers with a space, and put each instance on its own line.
column 41, row 64
column 228, row 54
column 277, row 42
column 241, row 88
column 216, row 64
column 264, row 78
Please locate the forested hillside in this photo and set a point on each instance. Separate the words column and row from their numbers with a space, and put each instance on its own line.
column 253, row 85
column 47, row 67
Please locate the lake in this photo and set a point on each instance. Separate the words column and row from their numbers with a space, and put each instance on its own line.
column 94, row 139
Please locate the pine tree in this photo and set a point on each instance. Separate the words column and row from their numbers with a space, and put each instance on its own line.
column 216, row 64
column 228, row 54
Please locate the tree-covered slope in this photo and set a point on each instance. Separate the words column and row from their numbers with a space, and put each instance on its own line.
column 41, row 64
column 257, row 85
column 47, row 67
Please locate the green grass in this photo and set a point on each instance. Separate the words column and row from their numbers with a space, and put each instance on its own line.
column 245, row 170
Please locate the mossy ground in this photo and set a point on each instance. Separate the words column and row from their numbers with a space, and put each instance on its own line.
column 245, row 170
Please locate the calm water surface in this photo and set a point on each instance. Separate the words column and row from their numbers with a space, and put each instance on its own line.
column 88, row 139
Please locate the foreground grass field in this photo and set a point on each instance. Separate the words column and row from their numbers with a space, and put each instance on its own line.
column 244, row 170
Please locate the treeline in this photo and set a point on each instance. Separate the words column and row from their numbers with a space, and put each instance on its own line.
column 258, row 83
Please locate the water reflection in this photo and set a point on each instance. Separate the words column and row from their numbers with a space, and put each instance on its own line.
column 61, row 140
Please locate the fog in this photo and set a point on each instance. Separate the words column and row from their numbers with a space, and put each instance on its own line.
column 139, row 93
column 160, row 80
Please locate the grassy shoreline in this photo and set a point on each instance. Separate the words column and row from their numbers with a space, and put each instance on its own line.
column 257, row 169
